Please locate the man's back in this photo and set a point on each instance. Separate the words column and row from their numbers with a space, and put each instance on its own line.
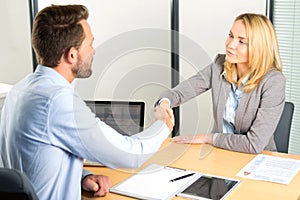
column 28, row 145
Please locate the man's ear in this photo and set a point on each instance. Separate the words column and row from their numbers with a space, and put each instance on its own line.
column 72, row 55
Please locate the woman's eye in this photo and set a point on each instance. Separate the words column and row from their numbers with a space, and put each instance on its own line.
column 243, row 42
column 230, row 35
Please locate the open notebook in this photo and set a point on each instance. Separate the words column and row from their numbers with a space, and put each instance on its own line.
column 126, row 117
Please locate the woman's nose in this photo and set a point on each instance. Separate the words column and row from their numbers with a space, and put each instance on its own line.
column 233, row 43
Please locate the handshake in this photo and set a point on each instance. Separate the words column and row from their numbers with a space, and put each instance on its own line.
column 164, row 113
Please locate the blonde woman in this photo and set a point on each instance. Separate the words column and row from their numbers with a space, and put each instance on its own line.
column 247, row 87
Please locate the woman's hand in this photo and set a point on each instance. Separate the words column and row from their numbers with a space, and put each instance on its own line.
column 194, row 139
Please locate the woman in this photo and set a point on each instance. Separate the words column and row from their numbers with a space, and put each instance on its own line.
column 247, row 87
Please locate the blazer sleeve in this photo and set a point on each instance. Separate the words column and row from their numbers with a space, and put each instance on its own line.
column 193, row 86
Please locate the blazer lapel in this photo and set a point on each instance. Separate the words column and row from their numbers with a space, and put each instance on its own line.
column 240, row 113
column 224, row 90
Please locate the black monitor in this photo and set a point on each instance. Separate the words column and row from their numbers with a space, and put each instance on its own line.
column 126, row 117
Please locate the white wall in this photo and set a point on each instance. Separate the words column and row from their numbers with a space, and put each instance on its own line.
column 15, row 51
column 132, row 60
column 132, row 43
column 124, row 68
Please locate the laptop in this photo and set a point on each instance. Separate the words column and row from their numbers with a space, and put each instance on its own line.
column 126, row 117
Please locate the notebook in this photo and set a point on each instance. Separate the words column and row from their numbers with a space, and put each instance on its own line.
column 126, row 117
column 156, row 182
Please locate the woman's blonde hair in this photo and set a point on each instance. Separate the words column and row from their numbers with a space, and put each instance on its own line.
column 263, row 51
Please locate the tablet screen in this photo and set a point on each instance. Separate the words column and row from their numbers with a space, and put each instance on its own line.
column 209, row 187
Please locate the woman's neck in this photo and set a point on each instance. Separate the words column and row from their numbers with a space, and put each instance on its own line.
column 242, row 69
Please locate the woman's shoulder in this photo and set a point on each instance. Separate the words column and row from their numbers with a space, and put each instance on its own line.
column 218, row 63
column 219, row 59
column 273, row 79
column 275, row 75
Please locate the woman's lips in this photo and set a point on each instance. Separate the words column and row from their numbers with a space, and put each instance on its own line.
column 229, row 53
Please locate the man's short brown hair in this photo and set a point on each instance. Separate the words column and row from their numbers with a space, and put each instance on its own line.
column 55, row 30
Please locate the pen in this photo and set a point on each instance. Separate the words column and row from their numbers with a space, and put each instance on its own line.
column 181, row 177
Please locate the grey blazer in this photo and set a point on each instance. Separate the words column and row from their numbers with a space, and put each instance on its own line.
column 257, row 114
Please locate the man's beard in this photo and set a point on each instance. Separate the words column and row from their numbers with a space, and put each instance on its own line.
column 82, row 69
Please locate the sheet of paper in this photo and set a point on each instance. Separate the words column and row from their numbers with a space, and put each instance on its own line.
column 154, row 183
column 271, row 168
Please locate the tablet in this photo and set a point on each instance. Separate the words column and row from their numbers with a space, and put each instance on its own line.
column 210, row 187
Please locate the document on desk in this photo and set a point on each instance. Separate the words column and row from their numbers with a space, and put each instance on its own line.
column 271, row 168
column 156, row 182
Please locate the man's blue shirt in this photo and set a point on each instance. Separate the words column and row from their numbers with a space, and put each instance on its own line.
column 47, row 130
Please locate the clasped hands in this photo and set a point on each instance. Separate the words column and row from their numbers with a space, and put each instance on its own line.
column 164, row 113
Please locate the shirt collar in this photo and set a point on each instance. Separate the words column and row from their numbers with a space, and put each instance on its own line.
column 243, row 81
column 54, row 75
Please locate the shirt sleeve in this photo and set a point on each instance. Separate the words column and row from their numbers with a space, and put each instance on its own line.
column 162, row 99
column 85, row 173
column 75, row 129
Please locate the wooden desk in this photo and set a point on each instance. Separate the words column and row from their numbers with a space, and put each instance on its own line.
column 219, row 162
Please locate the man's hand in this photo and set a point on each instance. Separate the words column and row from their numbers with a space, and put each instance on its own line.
column 99, row 184
column 166, row 115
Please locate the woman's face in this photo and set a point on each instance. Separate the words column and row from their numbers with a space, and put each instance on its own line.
column 237, row 45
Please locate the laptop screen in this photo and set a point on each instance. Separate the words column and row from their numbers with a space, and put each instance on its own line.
column 126, row 117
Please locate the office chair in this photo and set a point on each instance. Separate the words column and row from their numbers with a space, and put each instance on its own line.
column 15, row 185
column 282, row 131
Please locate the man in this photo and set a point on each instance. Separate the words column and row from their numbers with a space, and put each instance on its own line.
column 46, row 128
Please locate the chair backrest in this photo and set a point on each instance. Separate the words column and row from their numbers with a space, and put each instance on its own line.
column 282, row 132
column 15, row 185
